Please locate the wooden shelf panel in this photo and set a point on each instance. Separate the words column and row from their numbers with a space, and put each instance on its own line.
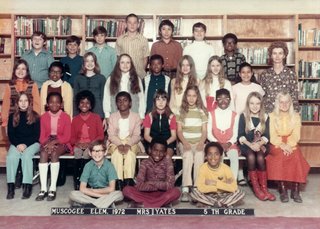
column 313, row 78
column 265, row 39
column 309, row 48
column 309, row 142
column 309, row 100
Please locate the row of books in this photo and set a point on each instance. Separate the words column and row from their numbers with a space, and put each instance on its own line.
column 114, row 27
column 4, row 45
column 309, row 69
column 309, row 37
column 176, row 24
column 56, row 46
column 309, row 90
column 49, row 26
column 255, row 55
column 310, row 112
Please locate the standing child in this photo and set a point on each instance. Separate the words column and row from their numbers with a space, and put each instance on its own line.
column 124, row 78
column 168, row 48
column 100, row 175
column 223, row 128
column 155, row 180
column 38, row 58
column 242, row 89
column 124, row 135
column 231, row 59
column 20, row 82
column 23, row 133
column 134, row 44
column 285, row 163
column 155, row 81
column 161, row 123
column 54, row 139
column 73, row 61
column 186, row 76
column 56, row 84
column 106, row 55
column 253, row 137
column 216, row 186
column 86, row 127
column 213, row 81
column 199, row 50
column 192, row 133
column 91, row 79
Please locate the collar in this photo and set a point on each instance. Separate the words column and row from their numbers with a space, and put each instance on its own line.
column 55, row 84
column 258, row 127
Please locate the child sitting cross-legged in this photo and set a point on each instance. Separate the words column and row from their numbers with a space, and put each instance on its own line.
column 155, row 181
column 216, row 185
column 98, row 180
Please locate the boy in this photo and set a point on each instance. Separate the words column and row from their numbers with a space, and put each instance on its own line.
column 155, row 180
column 124, row 135
column 199, row 50
column 155, row 81
column 134, row 44
column 169, row 49
column 216, row 186
column 73, row 61
column 223, row 128
column 106, row 55
column 101, row 176
column 38, row 58
column 232, row 59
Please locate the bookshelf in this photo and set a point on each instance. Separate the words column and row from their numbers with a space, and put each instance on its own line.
column 255, row 33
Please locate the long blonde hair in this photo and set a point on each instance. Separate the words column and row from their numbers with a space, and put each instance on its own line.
column 208, row 79
column 184, row 109
column 179, row 77
column 247, row 112
column 276, row 109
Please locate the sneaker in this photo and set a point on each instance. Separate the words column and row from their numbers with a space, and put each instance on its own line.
column 184, row 197
column 242, row 182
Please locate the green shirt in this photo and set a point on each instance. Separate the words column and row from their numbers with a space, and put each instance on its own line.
column 98, row 177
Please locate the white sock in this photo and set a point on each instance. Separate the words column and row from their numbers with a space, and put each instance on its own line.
column 43, row 170
column 240, row 174
column 185, row 189
column 234, row 162
column 54, row 175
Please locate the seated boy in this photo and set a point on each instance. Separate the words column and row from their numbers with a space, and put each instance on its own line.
column 101, row 176
column 155, row 180
column 216, row 186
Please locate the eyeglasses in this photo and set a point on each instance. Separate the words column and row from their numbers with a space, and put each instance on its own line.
column 55, row 72
column 225, row 99
column 98, row 150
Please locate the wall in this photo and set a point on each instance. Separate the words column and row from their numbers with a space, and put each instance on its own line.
column 161, row 6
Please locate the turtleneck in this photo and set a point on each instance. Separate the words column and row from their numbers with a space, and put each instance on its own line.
column 54, row 121
column 124, row 81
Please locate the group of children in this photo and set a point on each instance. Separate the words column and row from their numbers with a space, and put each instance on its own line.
column 190, row 95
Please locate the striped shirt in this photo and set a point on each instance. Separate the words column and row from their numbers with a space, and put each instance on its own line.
column 138, row 49
column 192, row 125
column 38, row 65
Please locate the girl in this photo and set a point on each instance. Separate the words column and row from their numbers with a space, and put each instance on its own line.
column 20, row 82
column 124, row 135
column 186, row 77
column 213, row 81
column 90, row 79
column 23, row 133
column 242, row 89
column 161, row 123
column 124, row 78
column 279, row 77
column 192, row 133
column 54, row 139
column 86, row 127
column 253, row 136
column 285, row 162
column 55, row 84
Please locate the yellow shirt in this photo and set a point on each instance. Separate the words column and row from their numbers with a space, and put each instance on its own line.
column 220, row 175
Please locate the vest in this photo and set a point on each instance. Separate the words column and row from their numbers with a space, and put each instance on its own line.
column 15, row 94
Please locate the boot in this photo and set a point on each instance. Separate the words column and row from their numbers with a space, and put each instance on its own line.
column 283, row 192
column 27, row 191
column 128, row 182
column 18, row 176
column 295, row 193
column 62, row 173
column 10, row 194
column 77, row 173
column 262, row 177
column 256, row 187
column 119, row 185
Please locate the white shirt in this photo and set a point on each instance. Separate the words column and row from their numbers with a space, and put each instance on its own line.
column 123, row 128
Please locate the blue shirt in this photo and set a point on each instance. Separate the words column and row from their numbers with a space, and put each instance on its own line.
column 98, row 177
column 38, row 65
column 72, row 67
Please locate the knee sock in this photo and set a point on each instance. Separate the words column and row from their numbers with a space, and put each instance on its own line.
column 240, row 174
column 43, row 170
column 54, row 175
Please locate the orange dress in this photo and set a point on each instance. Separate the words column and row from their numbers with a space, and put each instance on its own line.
column 280, row 167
